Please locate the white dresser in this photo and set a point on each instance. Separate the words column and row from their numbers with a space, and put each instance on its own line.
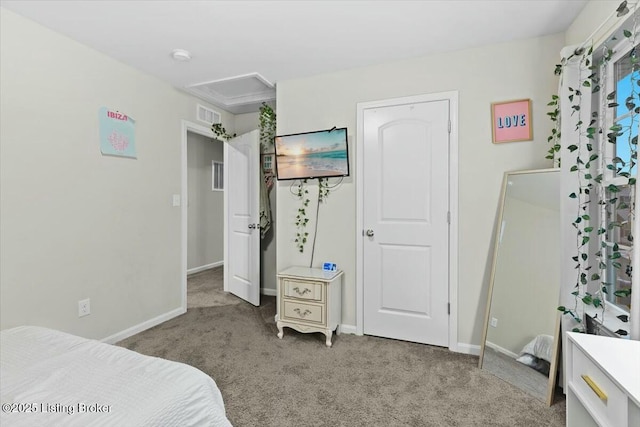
column 603, row 381
column 309, row 300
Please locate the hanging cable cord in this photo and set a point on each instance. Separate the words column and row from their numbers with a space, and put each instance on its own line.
column 315, row 232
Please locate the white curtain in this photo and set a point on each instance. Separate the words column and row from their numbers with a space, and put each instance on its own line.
column 573, row 75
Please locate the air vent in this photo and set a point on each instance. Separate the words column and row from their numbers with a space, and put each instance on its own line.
column 207, row 115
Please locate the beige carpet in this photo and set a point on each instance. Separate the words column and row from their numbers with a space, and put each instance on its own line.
column 360, row 381
column 522, row 376
column 204, row 289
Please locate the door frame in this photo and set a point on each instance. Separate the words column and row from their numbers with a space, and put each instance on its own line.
column 452, row 97
column 188, row 126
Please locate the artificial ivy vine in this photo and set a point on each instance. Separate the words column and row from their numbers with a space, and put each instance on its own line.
column 594, row 191
column 302, row 193
column 219, row 132
column 267, row 119
column 554, row 139
column 323, row 189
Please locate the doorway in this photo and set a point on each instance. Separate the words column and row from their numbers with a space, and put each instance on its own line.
column 241, row 213
column 189, row 132
column 407, row 219
column 205, row 222
column 205, row 203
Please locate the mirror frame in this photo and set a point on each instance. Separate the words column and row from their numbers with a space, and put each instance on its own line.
column 553, row 367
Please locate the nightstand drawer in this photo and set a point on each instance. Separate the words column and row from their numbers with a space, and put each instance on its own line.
column 301, row 312
column 608, row 404
column 303, row 290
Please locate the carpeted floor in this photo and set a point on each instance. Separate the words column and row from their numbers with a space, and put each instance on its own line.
column 204, row 289
column 522, row 376
column 360, row 381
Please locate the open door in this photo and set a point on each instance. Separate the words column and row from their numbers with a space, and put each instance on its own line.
column 242, row 217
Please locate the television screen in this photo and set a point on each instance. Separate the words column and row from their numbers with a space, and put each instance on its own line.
column 320, row 154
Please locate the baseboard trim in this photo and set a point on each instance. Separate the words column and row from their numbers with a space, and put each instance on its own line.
column 501, row 350
column 465, row 348
column 347, row 329
column 143, row 326
column 204, row 267
column 268, row 292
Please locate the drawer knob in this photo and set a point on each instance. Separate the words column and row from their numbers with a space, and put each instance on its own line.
column 601, row 394
column 301, row 293
column 302, row 313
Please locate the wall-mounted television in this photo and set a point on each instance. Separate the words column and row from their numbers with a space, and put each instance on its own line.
column 319, row 154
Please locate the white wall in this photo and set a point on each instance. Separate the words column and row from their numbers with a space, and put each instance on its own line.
column 75, row 224
column 593, row 16
column 521, row 69
column 247, row 122
column 205, row 224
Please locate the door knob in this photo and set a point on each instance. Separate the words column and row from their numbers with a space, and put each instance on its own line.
column 252, row 226
column 369, row 233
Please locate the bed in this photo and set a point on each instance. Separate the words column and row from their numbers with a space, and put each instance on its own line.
column 51, row 378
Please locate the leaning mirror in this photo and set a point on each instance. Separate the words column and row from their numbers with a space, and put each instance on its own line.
column 521, row 334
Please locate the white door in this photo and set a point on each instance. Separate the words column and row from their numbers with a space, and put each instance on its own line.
column 242, row 232
column 405, row 218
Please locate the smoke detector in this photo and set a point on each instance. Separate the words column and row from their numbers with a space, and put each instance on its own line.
column 181, row 55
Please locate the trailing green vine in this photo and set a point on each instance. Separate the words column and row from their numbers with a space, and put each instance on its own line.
column 302, row 193
column 267, row 120
column 219, row 132
column 600, row 179
column 302, row 219
column 323, row 189
column 554, row 139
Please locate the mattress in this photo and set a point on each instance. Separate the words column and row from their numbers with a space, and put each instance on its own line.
column 50, row 378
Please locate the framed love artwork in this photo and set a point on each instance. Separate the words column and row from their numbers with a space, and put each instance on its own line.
column 511, row 121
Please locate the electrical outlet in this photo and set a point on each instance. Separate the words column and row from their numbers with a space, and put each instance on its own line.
column 84, row 307
column 494, row 322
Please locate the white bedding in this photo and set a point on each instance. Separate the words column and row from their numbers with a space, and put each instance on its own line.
column 540, row 347
column 50, row 378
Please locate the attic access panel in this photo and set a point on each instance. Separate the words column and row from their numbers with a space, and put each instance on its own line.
column 237, row 94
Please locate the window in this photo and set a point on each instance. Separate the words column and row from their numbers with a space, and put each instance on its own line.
column 267, row 163
column 217, row 176
column 625, row 79
column 622, row 99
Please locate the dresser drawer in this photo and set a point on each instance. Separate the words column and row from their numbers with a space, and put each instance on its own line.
column 312, row 291
column 610, row 408
column 301, row 312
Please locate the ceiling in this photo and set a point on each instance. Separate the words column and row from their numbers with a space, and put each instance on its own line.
column 246, row 47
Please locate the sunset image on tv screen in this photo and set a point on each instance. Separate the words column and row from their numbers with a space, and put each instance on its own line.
column 312, row 155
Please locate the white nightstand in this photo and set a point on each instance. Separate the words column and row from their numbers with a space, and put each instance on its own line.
column 603, row 381
column 309, row 300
